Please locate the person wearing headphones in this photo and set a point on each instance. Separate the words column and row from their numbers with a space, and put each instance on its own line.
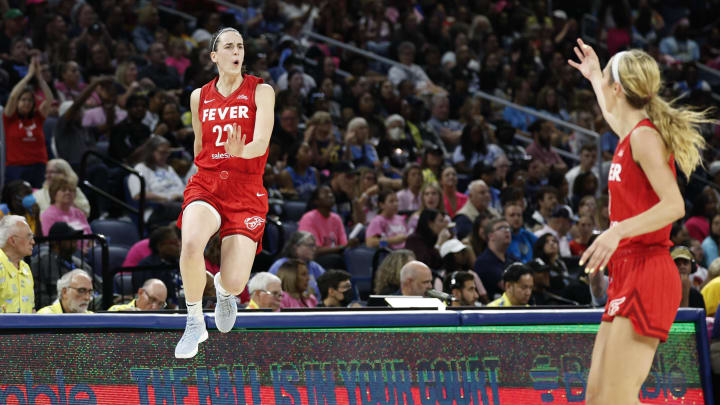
column 685, row 262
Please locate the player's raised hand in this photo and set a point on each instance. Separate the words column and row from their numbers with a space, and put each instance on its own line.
column 589, row 64
column 235, row 142
column 599, row 253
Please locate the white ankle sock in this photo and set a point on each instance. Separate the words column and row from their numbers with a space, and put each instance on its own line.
column 194, row 309
column 220, row 290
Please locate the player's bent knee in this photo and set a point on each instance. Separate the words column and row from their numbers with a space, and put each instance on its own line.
column 233, row 283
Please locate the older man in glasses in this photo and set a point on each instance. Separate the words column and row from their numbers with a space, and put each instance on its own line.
column 74, row 291
column 152, row 296
column 265, row 291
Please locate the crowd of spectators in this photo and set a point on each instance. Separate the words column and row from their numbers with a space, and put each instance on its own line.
column 406, row 158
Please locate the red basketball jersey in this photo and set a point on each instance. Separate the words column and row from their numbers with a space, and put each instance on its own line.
column 631, row 193
column 217, row 115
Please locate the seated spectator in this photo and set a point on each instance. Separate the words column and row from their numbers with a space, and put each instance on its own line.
column 295, row 285
column 327, row 228
column 387, row 227
column 522, row 92
column 53, row 260
column 138, row 251
column 129, row 134
column 16, row 242
column 101, row 119
column 165, row 247
column 165, row 77
column 19, row 199
column 477, row 240
column 172, row 127
column 163, row 187
column 679, row 45
column 324, row 144
column 415, row 279
column 265, row 291
column 431, row 164
column 456, row 256
column 461, row 285
column 581, row 242
column 178, row 56
column 710, row 244
column 700, row 274
column 301, row 246
column 704, row 209
column 152, row 296
column 449, row 131
column 299, row 179
column 70, row 85
column 522, row 239
column 357, row 148
column 518, row 283
column 411, row 71
column 559, row 226
column 342, row 183
column 62, row 197
column 685, row 262
column 453, row 200
column 294, row 93
column 387, row 276
column 60, row 167
column 74, row 292
column 26, row 153
column 491, row 263
column 430, row 234
column 366, row 190
column 711, row 290
column 588, row 160
column 412, row 182
column 473, row 149
column 541, row 148
column 336, row 289
column 585, row 184
column 562, row 282
column 478, row 201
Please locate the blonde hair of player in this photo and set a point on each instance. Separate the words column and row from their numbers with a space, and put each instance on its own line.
column 641, row 82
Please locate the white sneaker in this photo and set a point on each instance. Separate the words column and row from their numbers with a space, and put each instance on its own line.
column 225, row 309
column 195, row 333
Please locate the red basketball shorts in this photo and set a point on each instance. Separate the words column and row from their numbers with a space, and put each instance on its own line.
column 239, row 199
column 645, row 288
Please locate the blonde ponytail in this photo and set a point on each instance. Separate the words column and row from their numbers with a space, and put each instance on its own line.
column 640, row 79
column 678, row 128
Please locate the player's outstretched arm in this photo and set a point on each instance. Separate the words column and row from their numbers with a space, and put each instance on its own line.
column 196, row 124
column 589, row 67
column 651, row 154
column 264, row 121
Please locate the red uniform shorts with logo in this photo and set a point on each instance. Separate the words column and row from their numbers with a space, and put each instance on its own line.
column 240, row 199
column 645, row 288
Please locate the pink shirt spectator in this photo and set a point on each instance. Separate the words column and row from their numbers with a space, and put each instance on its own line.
column 698, row 228
column 138, row 251
column 95, row 117
column 304, row 302
column 460, row 198
column 407, row 201
column 73, row 217
column 180, row 64
column 547, row 156
column 387, row 228
column 328, row 232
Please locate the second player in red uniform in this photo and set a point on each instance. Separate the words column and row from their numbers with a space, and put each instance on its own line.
column 232, row 118
column 644, row 291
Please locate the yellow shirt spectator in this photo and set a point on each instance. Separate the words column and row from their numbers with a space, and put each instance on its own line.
column 711, row 295
column 16, row 287
column 503, row 301
column 124, row 307
column 55, row 308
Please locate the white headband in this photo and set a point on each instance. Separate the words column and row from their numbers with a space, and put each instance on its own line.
column 212, row 47
column 615, row 67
